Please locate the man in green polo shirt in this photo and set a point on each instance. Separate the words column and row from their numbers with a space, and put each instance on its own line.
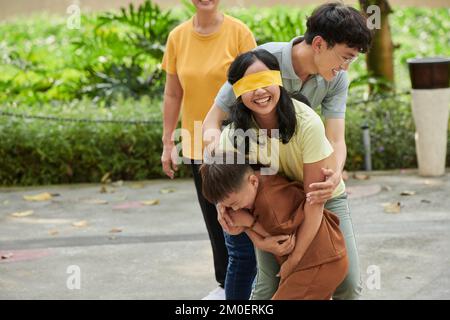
column 314, row 65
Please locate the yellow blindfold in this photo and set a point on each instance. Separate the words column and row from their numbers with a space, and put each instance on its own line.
column 257, row 80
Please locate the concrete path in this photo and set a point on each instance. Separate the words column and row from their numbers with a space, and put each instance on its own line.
column 124, row 249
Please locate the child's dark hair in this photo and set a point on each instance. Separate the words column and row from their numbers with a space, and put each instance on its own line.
column 240, row 115
column 338, row 23
column 219, row 179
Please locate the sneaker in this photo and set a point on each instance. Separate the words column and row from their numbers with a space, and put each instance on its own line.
column 217, row 294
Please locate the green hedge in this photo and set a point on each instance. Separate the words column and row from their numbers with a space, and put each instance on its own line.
column 45, row 68
column 36, row 151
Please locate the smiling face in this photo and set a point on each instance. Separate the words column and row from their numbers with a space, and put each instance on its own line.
column 262, row 101
column 206, row 5
column 244, row 198
column 330, row 60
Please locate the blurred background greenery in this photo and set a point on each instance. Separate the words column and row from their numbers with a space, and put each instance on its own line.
column 110, row 68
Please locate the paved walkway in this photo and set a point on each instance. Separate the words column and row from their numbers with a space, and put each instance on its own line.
column 126, row 249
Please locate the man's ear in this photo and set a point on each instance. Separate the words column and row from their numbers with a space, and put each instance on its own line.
column 318, row 43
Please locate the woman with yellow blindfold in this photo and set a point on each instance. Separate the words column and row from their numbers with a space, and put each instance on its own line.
column 263, row 103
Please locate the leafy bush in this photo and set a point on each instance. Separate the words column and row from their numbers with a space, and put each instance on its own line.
column 48, row 69
column 63, row 152
column 391, row 131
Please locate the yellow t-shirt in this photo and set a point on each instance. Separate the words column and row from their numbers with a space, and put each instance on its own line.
column 308, row 145
column 201, row 63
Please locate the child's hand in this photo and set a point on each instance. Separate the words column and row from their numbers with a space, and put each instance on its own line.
column 278, row 245
column 224, row 218
column 241, row 218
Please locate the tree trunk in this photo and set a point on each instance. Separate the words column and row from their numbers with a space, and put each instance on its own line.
column 379, row 60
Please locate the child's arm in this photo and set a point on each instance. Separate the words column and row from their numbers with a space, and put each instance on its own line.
column 279, row 245
column 242, row 218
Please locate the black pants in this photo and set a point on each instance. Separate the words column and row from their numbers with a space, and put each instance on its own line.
column 215, row 232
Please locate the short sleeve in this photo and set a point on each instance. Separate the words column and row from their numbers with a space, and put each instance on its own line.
column 315, row 145
column 225, row 97
column 335, row 102
column 247, row 42
column 169, row 61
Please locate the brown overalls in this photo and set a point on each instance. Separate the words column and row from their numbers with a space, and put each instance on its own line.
column 279, row 209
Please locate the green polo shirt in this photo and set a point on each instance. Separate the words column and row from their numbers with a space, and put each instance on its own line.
column 331, row 95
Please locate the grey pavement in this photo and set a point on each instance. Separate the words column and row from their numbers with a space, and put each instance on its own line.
column 162, row 251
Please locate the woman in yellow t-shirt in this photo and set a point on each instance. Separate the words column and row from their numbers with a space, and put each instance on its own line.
column 198, row 54
column 289, row 138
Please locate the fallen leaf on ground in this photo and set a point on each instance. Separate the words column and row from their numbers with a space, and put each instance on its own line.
column 7, row 255
column 407, row 193
column 39, row 197
column 361, row 176
column 167, row 190
column 104, row 189
column 118, row 183
column 115, row 230
column 95, row 201
column 386, row 188
column 105, row 178
column 80, row 224
column 150, row 202
column 137, row 186
column 129, row 205
column 425, row 201
column 392, row 207
column 22, row 214
column 53, row 232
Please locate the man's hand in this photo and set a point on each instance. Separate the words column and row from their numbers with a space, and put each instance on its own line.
column 223, row 216
column 169, row 160
column 278, row 245
column 323, row 191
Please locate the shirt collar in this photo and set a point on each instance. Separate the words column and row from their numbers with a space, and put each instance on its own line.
column 287, row 69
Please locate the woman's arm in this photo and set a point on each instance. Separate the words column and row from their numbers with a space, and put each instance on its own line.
column 313, row 216
column 173, row 94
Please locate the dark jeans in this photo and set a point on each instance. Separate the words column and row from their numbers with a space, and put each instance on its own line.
column 233, row 255
column 241, row 270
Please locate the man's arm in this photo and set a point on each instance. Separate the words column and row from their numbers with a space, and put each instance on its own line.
column 335, row 132
column 333, row 108
column 211, row 126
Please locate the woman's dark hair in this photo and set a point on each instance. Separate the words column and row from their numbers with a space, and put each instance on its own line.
column 241, row 116
column 338, row 23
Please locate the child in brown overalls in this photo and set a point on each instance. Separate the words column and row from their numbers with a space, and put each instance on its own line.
column 268, row 205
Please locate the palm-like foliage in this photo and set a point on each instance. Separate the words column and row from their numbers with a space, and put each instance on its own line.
column 151, row 25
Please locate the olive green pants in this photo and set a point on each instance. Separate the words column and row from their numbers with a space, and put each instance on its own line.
column 266, row 282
